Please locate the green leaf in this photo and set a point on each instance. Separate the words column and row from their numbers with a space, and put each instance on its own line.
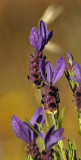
column 58, row 117
column 79, row 121
column 72, row 83
column 61, row 117
column 29, row 157
column 71, row 151
column 62, row 149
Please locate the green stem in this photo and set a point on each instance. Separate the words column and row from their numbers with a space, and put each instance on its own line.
column 46, row 120
column 60, row 143
column 79, row 121
column 69, row 81
column 53, row 120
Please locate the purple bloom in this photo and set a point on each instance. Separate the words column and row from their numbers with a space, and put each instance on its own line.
column 39, row 38
column 52, row 137
column 77, row 72
column 69, row 66
column 70, row 58
column 53, row 75
column 23, row 130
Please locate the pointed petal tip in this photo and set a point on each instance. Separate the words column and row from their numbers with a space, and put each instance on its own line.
column 75, row 79
column 19, row 128
column 59, row 69
column 42, row 68
column 38, row 117
column 68, row 54
column 70, row 58
column 50, row 72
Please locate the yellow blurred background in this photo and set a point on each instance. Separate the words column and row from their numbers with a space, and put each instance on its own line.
column 17, row 96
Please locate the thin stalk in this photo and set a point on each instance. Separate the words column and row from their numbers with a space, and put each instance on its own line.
column 69, row 81
column 53, row 120
column 79, row 121
column 60, row 143
column 47, row 125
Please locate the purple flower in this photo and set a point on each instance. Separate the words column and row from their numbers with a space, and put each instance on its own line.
column 77, row 72
column 69, row 66
column 52, row 137
column 53, row 75
column 70, row 58
column 39, row 38
column 23, row 130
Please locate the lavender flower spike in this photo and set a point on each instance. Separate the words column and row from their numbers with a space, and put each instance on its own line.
column 25, row 132
column 50, row 139
column 39, row 38
column 53, row 75
column 21, row 128
column 51, row 97
column 77, row 91
column 77, row 72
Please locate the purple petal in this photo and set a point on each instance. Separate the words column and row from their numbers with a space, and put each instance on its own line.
column 44, row 32
column 77, row 70
column 42, row 68
column 70, row 58
column 36, row 39
column 38, row 117
column 43, row 29
column 20, row 129
column 76, row 79
column 56, row 136
column 30, row 132
column 59, row 69
column 48, row 134
column 49, row 35
column 33, row 135
column 50, row 71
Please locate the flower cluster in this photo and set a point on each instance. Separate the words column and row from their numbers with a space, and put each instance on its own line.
column 77, row 93
column 38, row 39
column 41, row 74
column 51, row 98
column 73, row 70
column 25, row 132
column 44, row 77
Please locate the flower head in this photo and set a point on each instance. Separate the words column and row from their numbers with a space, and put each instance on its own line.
column 53, row 75
column 77, row 72
column 69, row 66
column 77, row 91
column 52, row 137
column 23, row 130
column 39, row 38
column 70, row 58
column 34, row 70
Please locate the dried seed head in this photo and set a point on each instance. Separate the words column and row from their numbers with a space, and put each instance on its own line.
column 33, row 150
column 51, row 98
column 77, row 98
column 34, row 70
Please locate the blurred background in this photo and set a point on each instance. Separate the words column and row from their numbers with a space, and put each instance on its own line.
column 17, row 96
